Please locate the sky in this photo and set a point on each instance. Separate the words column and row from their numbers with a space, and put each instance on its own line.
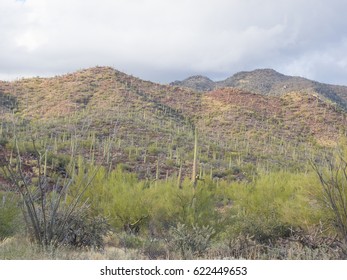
column 167, row 40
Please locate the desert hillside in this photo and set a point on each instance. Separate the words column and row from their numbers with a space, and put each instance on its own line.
column 243, row 168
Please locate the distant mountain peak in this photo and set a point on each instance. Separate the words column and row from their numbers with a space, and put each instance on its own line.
column 201, row 77
column 197, row 82
column 267, row 71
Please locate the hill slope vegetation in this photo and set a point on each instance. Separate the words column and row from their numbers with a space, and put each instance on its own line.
column 157, row 121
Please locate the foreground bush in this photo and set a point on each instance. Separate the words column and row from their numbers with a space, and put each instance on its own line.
column 271, row 207
column 332, row 193
column 9, row 215
column 192, row 240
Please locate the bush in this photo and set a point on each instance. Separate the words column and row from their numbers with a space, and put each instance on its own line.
column 9, row 215
column 261, row 230
column 192, row 240
column 332, row 196
column 130, row 241
column 155, row 249
column 3, row 141
column 86, row 231
column 269, row 208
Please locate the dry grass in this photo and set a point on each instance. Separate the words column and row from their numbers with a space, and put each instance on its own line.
column 19, row 248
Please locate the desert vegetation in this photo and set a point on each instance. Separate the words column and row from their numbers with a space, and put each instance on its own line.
column 101, row 165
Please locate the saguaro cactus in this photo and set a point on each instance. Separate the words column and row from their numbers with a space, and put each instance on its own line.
column 195, row 159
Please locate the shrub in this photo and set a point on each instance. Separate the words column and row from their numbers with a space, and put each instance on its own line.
column 86, row 231
column 191, row 240
column 9, row 215
column 332, row 195
column 155, row 249
column 3, row 141
column 268, row 208
column 153, row 150
column 130, row 241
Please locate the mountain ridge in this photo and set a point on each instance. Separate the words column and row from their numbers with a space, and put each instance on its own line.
column 271, row 82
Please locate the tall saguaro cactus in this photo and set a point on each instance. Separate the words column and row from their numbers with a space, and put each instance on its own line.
column 195, row 159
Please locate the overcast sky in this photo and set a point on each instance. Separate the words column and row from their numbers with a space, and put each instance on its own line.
column 166, row 40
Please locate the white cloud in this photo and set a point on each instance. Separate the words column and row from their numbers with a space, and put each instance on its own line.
column 167, row 40
column 322, row 63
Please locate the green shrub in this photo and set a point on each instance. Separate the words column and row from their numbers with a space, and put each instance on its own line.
column 332, row 192
column 130, row 241
column 154, row 206
column 153, row 150
column 86, row 231
column 9, row 215
column 3, row 141
column 117, row 195
column 270, row 207
column 58, row 161
column 155, row 249
column 192, row 240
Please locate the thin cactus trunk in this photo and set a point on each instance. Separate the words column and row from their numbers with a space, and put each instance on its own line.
column 195, row 159
column 157, row 170
column 179, row 177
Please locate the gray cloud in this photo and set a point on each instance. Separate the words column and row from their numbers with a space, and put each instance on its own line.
column 167, row 40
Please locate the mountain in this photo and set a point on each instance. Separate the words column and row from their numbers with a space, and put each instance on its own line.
column 148, row 128
column 198, row 83
column 270, row 82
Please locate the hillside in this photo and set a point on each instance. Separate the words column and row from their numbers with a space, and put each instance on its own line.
column 149, row 127
column 270, row 82
column 105, row 105
column 103, row 162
